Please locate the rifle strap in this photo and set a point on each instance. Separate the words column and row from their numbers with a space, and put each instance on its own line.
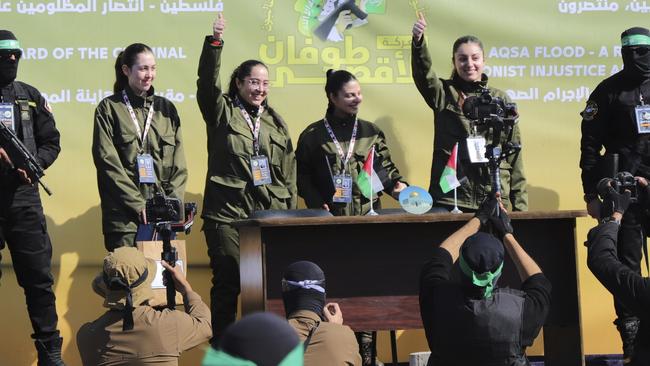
column 26, row 118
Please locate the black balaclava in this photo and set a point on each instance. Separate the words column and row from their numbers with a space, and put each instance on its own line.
column 8, row 68
column 636, row 52
column 262, row 338
column 303, row 288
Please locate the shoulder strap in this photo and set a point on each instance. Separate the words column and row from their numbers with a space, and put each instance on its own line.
column 308, row 339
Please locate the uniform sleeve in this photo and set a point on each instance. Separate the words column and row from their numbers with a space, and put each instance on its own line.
column 426, row 80
column 536, row 306
column 46, row 135
column 194, row 325
column 594, row 126
column 387, row 164
column 626, row 285
column 518, row 186
column 305, row 180
column 110, row 171
column 209, row 92
column 290, row 167
column 178, row 177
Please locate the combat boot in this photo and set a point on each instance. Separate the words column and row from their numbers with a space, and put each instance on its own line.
column 49, row 352
column 628, row 328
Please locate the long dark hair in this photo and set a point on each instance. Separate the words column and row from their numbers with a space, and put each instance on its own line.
column 127, row 57
column 461, row 41
column 240, row 73
column 335, row 81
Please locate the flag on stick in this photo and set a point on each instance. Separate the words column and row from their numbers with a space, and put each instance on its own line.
column 448, row 179
column 368, row 182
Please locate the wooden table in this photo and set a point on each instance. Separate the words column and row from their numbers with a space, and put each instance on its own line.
column 372, row 267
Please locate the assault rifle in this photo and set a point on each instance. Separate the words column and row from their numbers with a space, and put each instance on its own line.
column 20, row 156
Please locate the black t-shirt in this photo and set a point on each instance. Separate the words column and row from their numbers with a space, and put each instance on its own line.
column 437, row 272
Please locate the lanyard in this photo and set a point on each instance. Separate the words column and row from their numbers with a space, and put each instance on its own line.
column 353, row 140
column 255, row 128
column 142, row 137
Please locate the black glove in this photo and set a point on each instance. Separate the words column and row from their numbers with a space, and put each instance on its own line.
column 501, row 224
column 489, row 207
column 615, row 202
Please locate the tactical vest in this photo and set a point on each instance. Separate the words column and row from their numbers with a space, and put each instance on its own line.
column 485, row 332
column 27, row 122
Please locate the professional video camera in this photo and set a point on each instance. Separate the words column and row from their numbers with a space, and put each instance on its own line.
column 493, row 113
column 485, row 107
column 622, row 181
column 165, row 214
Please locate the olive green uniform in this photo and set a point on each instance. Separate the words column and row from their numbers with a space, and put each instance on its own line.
column 317, row 155
column 229, row 191
column 115, row 148
column 445, row 97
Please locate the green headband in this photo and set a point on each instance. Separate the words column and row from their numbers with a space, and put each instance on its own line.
column 221, row 358
column 635, row 40
column 9, row 44
column 480, row 279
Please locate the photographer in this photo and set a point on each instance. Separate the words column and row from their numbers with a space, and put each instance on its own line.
column 446, row 98
column 613, row 120
column 320, row 326
column 131, row 332
column 625, row 283
column 475, row 322
column 137, row 149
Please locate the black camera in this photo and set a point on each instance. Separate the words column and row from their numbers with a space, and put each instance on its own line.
column 622, row 181
column 163, row 209
column 484, row 107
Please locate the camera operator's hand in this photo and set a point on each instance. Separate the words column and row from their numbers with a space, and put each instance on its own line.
column 593, row 208
column 180, row 282
column 615, row 202
column 501, row 224
column 332, row 313
column 419, row 28
column 489, row 207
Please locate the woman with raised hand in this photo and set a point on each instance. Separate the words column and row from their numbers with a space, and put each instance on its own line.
column 251, row 165
column 446, row 98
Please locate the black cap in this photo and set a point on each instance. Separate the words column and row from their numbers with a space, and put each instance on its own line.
column 635, row 36
column 483, row 252
column 5, row 34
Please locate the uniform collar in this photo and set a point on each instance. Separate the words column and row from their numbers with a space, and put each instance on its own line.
column 338, row 121
column 138, row 101
column 470, row 86
column 305, row 314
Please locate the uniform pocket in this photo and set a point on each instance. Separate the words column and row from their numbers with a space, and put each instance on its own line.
column 168, row 148
column 127, row 149
column 240, row 140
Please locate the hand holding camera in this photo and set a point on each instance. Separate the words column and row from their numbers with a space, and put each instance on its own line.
column 492, row 214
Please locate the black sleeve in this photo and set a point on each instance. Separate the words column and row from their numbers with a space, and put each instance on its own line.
column 436, row 270
column 45, row 133
column 626, row 285
column 536, row 306
column 595, row 119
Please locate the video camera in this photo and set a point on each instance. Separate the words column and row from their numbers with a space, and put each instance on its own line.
column 484, row 107
column 622, row 181
column 500, row 117
column 164, row 213
column 167, row 210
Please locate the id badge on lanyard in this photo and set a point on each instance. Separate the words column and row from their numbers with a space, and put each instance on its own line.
column 342, row 188
column 146, row 171
column 7, row 115
column 642, row 113
column 261, row 170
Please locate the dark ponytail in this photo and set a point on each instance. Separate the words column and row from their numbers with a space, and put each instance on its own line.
column 127, row 57
column 335, row 81
column 240, row 73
